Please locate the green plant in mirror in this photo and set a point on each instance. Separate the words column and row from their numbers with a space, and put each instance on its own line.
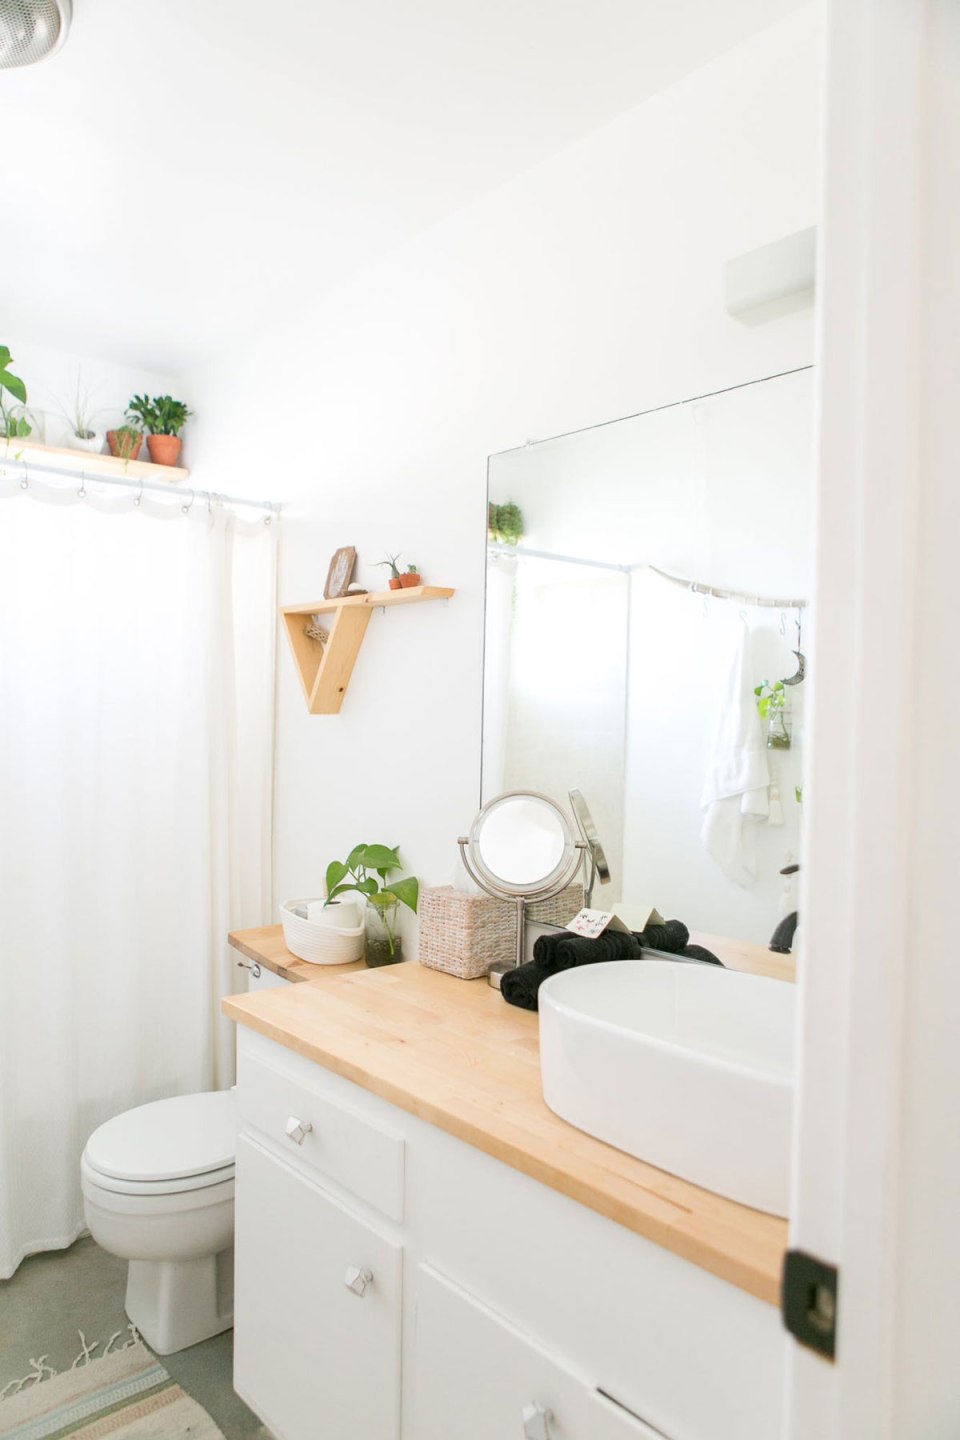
column 11, row 426
column 505, row 523
column 367, row 870
column 772, row 703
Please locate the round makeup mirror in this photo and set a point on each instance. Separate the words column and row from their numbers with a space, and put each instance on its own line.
column 521, row 847
column 521, row 843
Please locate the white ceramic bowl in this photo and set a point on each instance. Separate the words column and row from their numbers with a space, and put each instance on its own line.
column 319, row 944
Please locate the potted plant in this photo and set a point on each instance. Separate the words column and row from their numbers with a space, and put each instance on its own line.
column 13, row 421
column 84, row 434
column 360, row 872
column 410, row 577
column 396, row 580
column 125, row 442
column 773, row 708
column 163, row 418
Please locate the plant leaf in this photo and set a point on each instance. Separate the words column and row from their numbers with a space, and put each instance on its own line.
column 338, row 890
column 354, row 858
column 381, row 858
column 335, row 873
column 407, row 891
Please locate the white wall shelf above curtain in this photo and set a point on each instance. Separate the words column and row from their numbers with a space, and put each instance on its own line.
column 84, row 463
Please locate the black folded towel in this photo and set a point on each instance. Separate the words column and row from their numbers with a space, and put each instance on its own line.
column 552, row 953
column 673, row 937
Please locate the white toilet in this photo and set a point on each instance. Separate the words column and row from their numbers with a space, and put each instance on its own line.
column 158, row 1187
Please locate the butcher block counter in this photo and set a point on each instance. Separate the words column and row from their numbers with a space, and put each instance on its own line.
column 453, row 1053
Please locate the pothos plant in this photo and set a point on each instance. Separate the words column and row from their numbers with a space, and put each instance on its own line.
column 770, row 697
column 367, row 870
column 11, row 426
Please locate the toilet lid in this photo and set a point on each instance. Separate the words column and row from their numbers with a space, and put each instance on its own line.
column 167, row 1140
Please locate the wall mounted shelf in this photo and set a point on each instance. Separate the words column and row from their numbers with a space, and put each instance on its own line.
column 83, row 462
column 325, row 668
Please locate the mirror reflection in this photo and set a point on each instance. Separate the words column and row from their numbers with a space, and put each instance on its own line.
column 646, row 643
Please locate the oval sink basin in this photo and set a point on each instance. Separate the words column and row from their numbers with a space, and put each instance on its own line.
column 686, row 1066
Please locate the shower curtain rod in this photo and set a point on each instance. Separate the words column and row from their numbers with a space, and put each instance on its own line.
column 30, row 472
column 692, row 585
column 712, row 591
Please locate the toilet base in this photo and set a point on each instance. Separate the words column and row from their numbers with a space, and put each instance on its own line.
column 177, row 1303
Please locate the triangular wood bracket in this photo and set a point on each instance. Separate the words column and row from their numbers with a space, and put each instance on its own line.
column 325, row 668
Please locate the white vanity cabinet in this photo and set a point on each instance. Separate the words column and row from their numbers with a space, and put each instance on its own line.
column 511, row 1311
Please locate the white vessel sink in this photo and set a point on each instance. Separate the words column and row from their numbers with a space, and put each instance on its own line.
column 686, row 1066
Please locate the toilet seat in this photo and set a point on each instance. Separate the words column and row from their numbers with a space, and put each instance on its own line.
column 116, row 1186
column 184, row 1143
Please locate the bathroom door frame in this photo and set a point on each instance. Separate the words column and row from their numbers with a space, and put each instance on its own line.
column 877, row 1144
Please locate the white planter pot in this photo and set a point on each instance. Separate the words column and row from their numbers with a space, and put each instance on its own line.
column 93, row 446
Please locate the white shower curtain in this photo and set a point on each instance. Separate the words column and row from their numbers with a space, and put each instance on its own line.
column 136, row 678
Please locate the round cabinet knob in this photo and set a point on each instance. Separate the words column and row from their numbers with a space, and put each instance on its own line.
column 536, row 1421
column 298, row 1130
column 358, row 1280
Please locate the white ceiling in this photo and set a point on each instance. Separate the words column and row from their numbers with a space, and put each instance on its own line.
column 181, row 168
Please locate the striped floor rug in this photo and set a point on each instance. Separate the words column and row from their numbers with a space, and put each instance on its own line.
column 125, row 1394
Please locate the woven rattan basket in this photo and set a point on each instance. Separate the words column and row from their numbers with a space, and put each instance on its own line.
column 464, row 934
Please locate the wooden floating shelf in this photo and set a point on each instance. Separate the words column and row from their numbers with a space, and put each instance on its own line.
column 84, row 462
column 325, row 669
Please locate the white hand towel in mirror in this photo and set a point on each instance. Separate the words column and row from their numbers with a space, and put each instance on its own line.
column 736, row 786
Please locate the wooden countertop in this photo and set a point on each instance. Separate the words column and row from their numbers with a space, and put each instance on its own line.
column 454, row 1054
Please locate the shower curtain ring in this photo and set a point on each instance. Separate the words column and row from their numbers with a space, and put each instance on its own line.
column 25, row 478
column 139, row 495
column 82, row 492
column 185, row 509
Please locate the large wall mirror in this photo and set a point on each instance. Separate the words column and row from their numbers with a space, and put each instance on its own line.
column 609, row 668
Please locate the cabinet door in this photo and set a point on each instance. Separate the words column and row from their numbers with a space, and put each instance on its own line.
column 314, row 1358
column 475, row 1377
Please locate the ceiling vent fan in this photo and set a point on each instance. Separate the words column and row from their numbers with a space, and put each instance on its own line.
column 30, row 30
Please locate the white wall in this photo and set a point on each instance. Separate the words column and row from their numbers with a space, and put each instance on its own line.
column 590, row 287
column 51, row 380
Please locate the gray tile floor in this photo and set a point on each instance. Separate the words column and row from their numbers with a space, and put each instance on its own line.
column 53, row 1296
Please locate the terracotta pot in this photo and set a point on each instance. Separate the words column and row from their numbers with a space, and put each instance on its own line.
column 407, row 581
column 164, row 449
column 396, row 582
column 133, row 445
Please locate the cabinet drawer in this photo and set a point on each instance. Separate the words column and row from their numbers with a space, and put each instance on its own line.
column 318, row 1307
column 525, row 1392
column 320, row 1137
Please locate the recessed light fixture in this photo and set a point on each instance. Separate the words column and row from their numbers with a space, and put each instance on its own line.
column 30, row 30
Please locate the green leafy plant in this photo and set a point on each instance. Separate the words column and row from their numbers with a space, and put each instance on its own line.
column 366, row 870
column 505, row 523
column 770, row 697
column 391, row 560
column 413, row 569
column 12, row 426
column 160, row 416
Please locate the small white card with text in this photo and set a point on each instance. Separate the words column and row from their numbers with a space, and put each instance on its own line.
column 591, row 923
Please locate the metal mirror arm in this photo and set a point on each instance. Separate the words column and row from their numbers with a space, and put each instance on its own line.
column 530, row 897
